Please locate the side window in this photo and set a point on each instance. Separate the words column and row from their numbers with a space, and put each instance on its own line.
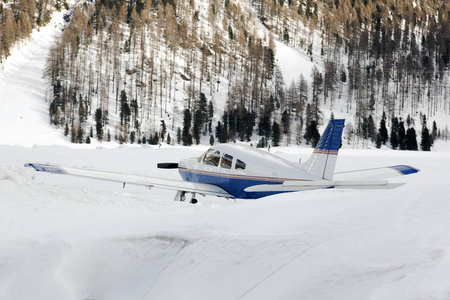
column 226, row 161
column 240, row 164
column 212, row 157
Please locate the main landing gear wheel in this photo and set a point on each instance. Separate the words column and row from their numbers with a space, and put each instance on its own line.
column 193, row 199
column 181, row 196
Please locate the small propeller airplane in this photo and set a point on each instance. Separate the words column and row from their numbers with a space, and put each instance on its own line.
column 240, row 171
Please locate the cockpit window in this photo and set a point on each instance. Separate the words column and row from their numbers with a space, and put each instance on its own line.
column 226, row 161
column 200, row 158
column 212, row 157
column 240, row 165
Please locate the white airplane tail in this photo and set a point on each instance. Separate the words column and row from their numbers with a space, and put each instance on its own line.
column 323, row 160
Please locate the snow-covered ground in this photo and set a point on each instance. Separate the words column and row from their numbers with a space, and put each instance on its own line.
column 64, row 237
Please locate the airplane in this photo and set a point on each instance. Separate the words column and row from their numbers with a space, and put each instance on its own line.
column 240, row 171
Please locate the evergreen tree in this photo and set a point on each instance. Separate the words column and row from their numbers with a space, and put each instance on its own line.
column 378, row 141
column 98, row 123
column 66, row 130
column 394, row 136
column 383, row 131
column 186, row 135
column 411, row 139
column 221, row 133
column 312, row 135
column 276, row 134
column 434, row 133
column 73, row 134
column 163, row 130
column 80, row 134
column 179, row 135
column 125, row 110
column 402, row 136
column 425, row 143
column 285, row 123
column 169, row 139
column 88, row 139
column 211, row 140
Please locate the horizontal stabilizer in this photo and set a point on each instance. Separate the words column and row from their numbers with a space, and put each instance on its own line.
column 376, row 173
column 177, row 185
column 293, row 186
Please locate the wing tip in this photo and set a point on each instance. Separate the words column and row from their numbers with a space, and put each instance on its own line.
column 45, row 168
column 405, row 169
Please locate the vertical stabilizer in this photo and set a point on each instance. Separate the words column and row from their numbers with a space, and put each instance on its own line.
column 323, row 160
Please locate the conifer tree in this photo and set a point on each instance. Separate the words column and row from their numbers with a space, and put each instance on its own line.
column 394, row 136
column 276, row 134
column 98, row 123
column 186, row 134
column 411, row 139
column 402, row 136
column 425, row 143
column 179, row 135
column 312, row 135
column 383, row 131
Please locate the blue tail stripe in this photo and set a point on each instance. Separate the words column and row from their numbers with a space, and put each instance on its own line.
column 331, row 137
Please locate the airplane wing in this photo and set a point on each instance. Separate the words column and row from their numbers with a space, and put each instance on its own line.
column 177, row 185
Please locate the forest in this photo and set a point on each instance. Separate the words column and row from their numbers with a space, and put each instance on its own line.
column 186, row 71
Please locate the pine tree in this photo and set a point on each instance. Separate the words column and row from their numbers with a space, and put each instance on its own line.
column 411, row 140
column 378, row 141
column 402, row 136
column 221, row 133
column 163, row 130
column 394, row 136
column 276, row 134
column 383, row 131
column 434, row 133
column 98, row 123
column 425, row 143
column 211, row 140
column 179, row 135
column 186, row 134
column 66, row 130
column 80, row 134
column 312, row 135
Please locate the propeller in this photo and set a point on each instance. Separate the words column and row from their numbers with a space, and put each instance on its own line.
column 167, row 165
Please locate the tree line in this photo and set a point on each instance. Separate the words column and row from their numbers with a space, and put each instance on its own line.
column 19, row 17
column 130, row 66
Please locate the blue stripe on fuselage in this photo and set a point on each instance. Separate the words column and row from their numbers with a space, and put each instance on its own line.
column 234, row 186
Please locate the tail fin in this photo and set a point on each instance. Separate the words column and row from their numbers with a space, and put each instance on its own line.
column 323, row 160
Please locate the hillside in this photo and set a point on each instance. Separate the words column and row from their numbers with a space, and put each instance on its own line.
column 193, row 72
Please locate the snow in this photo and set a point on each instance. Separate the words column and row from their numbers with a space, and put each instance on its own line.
column 65, row 237
column 73, row 238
